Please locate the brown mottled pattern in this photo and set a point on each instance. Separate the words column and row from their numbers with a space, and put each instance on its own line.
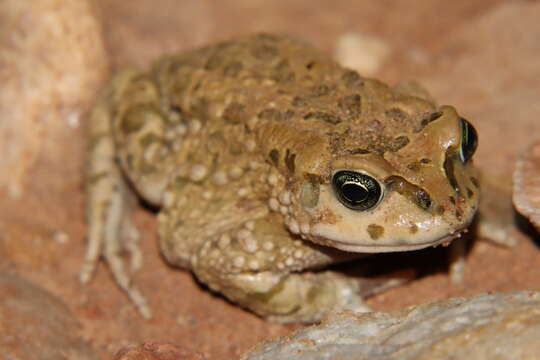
column 301, row 77
column 375, row 231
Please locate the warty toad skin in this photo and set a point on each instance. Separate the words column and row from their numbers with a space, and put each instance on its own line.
column 268, row 160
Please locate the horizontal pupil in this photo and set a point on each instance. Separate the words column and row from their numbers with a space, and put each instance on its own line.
column 354, row 192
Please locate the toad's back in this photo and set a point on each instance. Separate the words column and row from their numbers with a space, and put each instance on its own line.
column 279, row 78
column 222, row 95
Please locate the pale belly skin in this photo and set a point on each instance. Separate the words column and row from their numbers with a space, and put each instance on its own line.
column 268, row 160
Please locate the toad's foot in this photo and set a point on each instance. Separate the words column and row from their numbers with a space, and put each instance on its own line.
column 303, row 297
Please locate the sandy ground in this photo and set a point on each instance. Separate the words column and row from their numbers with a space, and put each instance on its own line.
column 480, row 56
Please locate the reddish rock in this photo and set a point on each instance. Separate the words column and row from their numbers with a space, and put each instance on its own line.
column 52, row 61
column 156, row 351
column 527, row 184
column 32, row 322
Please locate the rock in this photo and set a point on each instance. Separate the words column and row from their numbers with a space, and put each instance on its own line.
column 32, row 321
column 488, row 326
column 156, row 351
column 527, row 184
column 361, row 52
column 52, row 60
column 495, row 218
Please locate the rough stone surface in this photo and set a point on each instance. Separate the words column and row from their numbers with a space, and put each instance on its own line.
column 497, row 326
column 32, row 321
column 527, row 184
column 52, row 61
column 156, row 351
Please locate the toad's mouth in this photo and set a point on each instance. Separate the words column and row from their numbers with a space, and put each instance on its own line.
column 380, row 248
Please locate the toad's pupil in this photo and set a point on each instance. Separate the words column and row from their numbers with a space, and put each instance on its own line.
column 354, row 192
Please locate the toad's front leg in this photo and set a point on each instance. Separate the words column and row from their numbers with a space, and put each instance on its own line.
column 259, row 265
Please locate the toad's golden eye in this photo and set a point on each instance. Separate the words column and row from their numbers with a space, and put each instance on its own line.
column 356, row 190
column 469, row 141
